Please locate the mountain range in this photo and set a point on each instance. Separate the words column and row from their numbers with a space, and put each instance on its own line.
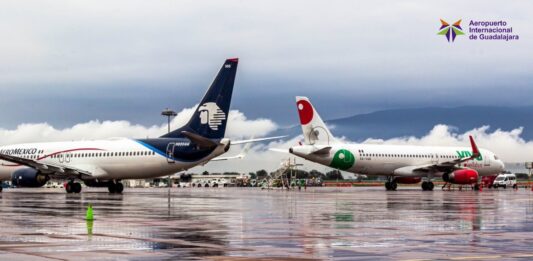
column 418, row 122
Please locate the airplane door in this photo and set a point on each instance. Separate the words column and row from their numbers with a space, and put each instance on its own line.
column 170, row 152
column 67, row 158
column 61, row 157
column 434, row 158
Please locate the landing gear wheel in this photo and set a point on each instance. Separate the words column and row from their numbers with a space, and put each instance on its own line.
column 393, row 185
column 68, row 187
column 76, row 187
column 387, row 185
column 111, row 187
column 427, row 185
column 115, row 187
column 119, row 187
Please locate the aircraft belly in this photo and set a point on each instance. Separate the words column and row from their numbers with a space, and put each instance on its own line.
column 141, row 169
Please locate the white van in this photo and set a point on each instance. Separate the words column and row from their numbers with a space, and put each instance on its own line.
column 505, row 180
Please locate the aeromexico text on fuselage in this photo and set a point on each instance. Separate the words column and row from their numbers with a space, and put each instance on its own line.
column 20, row 151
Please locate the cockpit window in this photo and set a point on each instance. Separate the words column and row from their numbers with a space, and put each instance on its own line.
column 496, row 157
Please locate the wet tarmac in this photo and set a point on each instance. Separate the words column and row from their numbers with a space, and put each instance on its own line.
column 254, row 224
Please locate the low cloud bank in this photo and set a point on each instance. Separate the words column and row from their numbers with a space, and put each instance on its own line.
column 508, row 145
column 238, row 127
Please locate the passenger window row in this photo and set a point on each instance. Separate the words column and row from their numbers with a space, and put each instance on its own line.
column 106, row 154
column 408, row 156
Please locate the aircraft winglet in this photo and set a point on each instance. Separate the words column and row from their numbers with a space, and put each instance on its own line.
column 475, row 150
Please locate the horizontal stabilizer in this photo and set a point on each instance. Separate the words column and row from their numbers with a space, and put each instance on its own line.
column 238, row 156
column 199, row 140
column 321, row 151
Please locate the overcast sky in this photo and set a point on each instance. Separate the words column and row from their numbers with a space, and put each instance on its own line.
column 66, row 62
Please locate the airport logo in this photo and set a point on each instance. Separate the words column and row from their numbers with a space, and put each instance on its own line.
column 496, row 30
column 211, row 114
column 343, row 160
column 450, row 31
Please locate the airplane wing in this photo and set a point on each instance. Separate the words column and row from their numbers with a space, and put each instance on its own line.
column 279, row 150
column 55, row 170
column 452, row 164
column 442, row 166
column 238, row 156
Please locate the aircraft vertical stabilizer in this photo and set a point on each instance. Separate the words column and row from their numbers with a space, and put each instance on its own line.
column 210, row 117
column 314, row 129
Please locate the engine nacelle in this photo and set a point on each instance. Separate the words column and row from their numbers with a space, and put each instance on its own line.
column 29, row 178
column 462, row 176
column 408, row 180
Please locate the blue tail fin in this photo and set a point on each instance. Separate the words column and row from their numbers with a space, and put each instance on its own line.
column 210, row 117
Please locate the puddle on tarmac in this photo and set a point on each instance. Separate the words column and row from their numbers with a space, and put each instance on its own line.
column 231, row 223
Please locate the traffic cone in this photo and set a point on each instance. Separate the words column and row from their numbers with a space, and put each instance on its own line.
column 89, row 213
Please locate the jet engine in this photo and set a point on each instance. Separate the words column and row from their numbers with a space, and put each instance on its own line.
column 29, row 177
column 407, row 180
column 462, row 176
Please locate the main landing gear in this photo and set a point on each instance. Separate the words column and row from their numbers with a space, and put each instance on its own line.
column 115, row 187
column 391, row 184
column 427, row 185
column 73, row 187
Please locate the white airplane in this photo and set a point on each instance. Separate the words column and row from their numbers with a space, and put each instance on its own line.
column 401, row 164
column 104, row 163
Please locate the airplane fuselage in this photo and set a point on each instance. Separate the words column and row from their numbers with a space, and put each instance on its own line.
column 396, row 160
column 114, row 159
